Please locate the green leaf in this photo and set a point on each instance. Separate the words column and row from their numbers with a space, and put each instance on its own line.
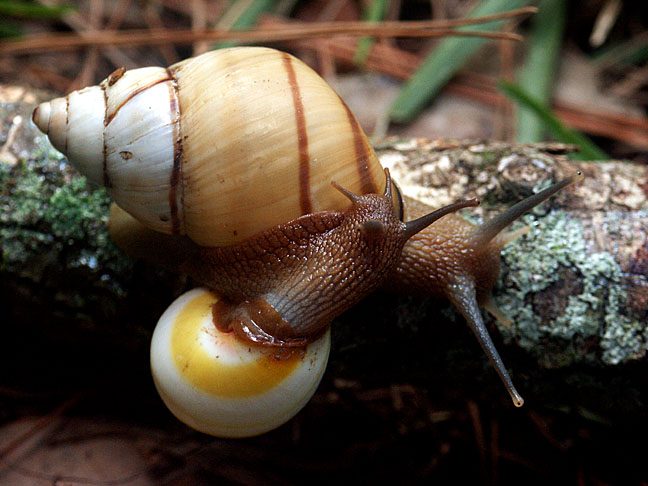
column 588, row 149
column 248, row 17
column 32, row 10
column 630, row 52
column 374, row 12
column 537, row 75
column 10, row 30
column 450, row 55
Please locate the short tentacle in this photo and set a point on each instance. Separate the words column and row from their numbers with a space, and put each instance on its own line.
column 413, row 227
column 388, row 185
column 457, row 261
column 354, row 198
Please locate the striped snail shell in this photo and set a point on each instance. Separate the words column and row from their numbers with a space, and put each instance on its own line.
column 217, row 147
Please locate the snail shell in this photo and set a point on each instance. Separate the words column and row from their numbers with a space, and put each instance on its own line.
column 217, row 147
column 222, row 386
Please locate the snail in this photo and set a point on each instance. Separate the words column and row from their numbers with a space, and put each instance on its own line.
column 243, row 169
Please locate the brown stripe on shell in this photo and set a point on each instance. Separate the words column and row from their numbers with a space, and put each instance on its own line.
column 106, row 178
column 110, row 118
column 175, row 186
column 362, row 154
column 305, row 202
column 67, row 121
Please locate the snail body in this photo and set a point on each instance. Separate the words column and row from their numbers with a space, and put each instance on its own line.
column 263, row 279
column 223, row 167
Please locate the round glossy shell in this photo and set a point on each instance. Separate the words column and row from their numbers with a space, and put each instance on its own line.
column 219, row 147
column 221, row 386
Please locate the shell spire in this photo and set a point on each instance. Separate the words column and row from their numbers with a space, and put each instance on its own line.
column 74, row 125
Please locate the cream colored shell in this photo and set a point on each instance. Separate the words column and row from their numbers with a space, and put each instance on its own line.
column 221, row 386
column 219, row 147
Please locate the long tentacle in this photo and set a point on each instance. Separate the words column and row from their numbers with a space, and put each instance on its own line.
column 464, row 297
column 489, row 230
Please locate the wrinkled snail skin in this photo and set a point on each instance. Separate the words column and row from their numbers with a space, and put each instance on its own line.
column 284, row 285
column 222, row 166
column 287, row 283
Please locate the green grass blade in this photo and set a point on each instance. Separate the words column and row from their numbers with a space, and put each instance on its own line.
column 537, row 75
column 10, row 30
column 588, row 149
column 445, row 61
column 374, row 12
column 630, row 52
column 248, row 18
column 30, row 10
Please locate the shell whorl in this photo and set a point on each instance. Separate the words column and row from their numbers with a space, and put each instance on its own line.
column 218, row 147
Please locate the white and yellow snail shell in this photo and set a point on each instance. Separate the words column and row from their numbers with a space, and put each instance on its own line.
column 219, row 385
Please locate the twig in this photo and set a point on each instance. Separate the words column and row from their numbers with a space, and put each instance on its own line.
column 78, row 23
column 96, row 8
column 198, row 23
column 480, row 437
column 138, row 37
column 39, row 425
column 604, row 22
column 153, row 20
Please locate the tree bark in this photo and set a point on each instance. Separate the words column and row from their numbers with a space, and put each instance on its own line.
column 575, row 286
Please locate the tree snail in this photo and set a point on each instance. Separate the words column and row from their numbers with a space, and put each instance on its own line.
column 223, row 166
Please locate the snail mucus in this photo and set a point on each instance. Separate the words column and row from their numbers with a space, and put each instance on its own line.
column 243, row 169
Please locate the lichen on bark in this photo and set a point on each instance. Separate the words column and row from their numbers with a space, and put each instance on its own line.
column 570, row 311
column 50, row 215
